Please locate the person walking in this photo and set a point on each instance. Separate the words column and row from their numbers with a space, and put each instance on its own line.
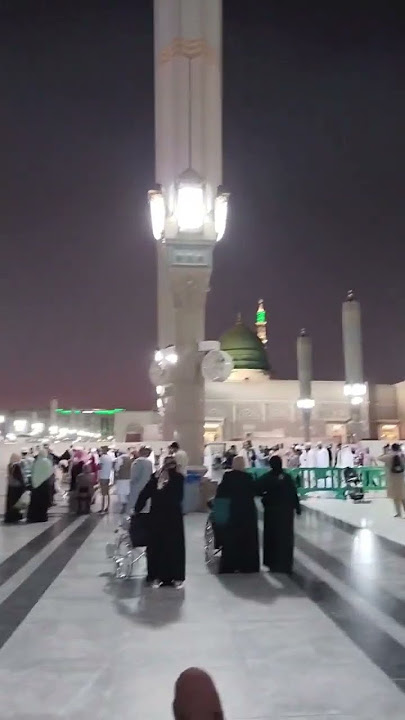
column 166, row 554
column 141, row 473
column 15, row 489
column 280, row 502
column 42, row 474
column 106, row 466
column 239, row 535
column 394, row 461
column 123, row 467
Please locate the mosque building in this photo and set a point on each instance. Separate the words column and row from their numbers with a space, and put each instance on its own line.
column 254, row 403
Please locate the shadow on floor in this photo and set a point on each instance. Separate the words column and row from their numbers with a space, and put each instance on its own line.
column 145, row 605
column 260, row 587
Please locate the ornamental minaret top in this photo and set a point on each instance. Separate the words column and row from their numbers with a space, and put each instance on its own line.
column 261, row 323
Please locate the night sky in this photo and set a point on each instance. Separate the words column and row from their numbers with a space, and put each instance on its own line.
column 314, row 156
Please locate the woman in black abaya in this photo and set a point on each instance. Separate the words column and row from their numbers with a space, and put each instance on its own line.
column 165, row 550
column 239, row 537
column 15, row 489
column 280, row 502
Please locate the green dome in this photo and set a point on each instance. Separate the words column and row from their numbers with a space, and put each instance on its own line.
column 245, row 348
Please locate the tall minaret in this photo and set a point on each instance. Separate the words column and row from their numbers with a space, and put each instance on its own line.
column 261, row 323
column 188, row 205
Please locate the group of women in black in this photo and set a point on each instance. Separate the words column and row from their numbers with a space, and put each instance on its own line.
column 238, row 536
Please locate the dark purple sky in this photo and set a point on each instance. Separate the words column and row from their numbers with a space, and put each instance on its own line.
column 314, row 155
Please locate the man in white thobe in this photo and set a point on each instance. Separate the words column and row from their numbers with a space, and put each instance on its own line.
column 141, row 473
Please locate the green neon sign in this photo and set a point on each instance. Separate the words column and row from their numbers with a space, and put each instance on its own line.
column 114, row 411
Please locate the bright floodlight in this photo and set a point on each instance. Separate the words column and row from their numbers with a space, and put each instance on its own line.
column 356, row 400
column 20, row 426
column 305, row 403
column 53, row 430
column 190, row 212
column 2, row 419
column 11, row 437
column 157, row 213
column 158, row 356
column 160, row 390
column 355, row 390
column 37, row 428
column 221, row 215
column 171, row 358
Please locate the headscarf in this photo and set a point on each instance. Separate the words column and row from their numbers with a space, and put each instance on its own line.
column 42, row 469
column 276, row 464
column 79, row 455
column 14, row 458
column 196, row 697
column 169, row 463
column 238, row 463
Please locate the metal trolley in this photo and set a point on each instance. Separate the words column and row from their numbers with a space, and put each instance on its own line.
column 122, row 553
column 212, row 547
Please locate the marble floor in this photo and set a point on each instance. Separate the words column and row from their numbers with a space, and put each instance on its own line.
column 375, row 514
column 75, row 644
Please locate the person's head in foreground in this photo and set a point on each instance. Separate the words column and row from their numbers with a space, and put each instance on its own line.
column 238, row 463
column 276, row 464
column 196, row 697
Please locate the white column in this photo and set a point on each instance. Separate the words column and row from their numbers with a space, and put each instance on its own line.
column 188, row 92
column 352, row 342
column 188, row 131
column 304, row 366
column 165, row 307
column 189, row 294
column 353, row 358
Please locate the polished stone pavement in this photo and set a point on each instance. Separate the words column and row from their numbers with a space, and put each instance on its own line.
column 76, row 644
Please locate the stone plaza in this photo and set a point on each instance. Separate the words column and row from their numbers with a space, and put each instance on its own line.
column 328, row 642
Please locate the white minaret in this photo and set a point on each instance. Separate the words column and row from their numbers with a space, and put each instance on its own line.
column 188, row 209
column 355, row 388
column 304, row 366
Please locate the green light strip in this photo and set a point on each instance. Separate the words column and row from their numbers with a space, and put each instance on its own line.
column 62, row 411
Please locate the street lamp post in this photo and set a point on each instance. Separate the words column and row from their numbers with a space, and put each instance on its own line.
column 188, row 207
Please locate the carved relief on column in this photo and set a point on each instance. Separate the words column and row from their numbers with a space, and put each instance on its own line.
column 189, row 287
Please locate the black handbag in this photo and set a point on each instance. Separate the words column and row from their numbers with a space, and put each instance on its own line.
column 139, row 529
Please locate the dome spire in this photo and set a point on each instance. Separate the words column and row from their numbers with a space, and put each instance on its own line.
column 261, row 323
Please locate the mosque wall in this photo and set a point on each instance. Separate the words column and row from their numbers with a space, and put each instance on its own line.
column 142, row 423
column 269, row 410
column 400, row 401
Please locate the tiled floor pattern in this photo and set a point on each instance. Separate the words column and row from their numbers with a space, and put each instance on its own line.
column 75, row 644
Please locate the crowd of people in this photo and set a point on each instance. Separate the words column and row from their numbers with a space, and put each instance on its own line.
column 34, row 475
column 31, row 479
column 308, row 455
column 152, row 492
